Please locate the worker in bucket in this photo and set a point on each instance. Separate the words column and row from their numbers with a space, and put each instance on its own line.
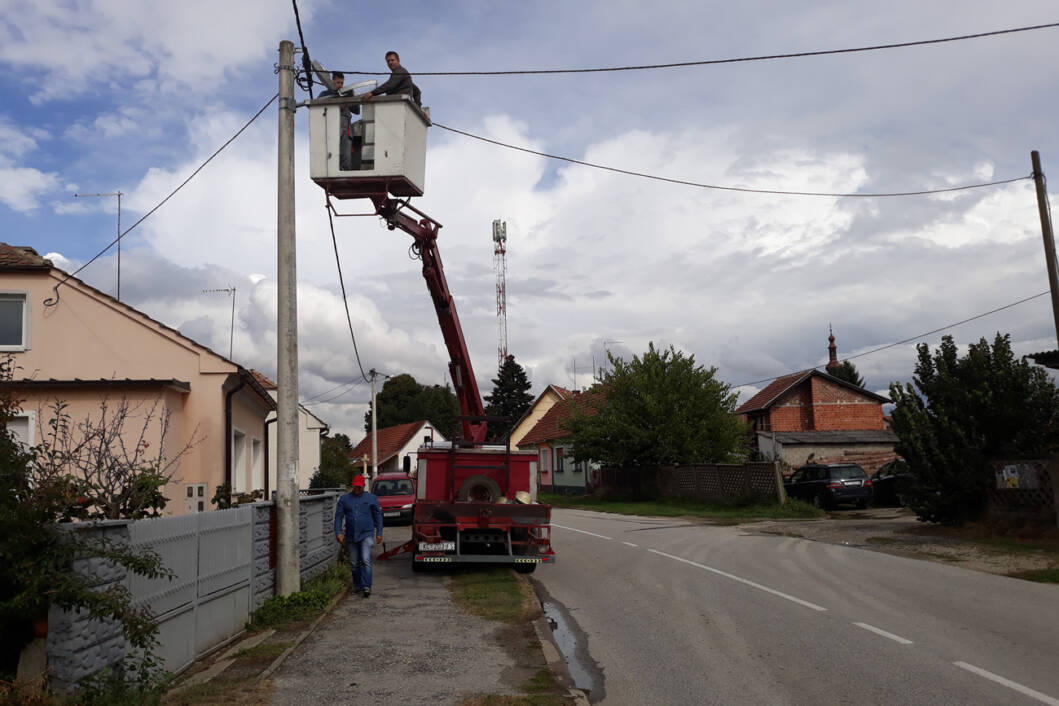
column 358, row 523
column 400, row 81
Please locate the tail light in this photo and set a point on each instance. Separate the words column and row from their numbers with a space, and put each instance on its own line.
column 867, row 483
column 834, row 484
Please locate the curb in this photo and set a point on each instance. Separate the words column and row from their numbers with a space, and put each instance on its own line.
column 278, row 662
column 554, row 658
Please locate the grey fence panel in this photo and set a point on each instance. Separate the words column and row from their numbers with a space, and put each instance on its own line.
column 224, row 575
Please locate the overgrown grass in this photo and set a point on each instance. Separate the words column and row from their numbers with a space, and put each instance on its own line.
column 268, row 650
column 280, row 611
column 733, row 511
column 1039, row 575
column 528, row 700
column 493, row 593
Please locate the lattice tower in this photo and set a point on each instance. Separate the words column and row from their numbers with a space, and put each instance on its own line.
column 500, row 267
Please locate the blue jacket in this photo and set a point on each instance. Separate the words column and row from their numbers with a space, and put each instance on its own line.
column 361, row 516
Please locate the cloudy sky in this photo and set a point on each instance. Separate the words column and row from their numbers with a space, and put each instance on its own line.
column 109, row 95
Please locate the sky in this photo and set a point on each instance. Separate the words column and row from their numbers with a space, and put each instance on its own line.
column 110, row 95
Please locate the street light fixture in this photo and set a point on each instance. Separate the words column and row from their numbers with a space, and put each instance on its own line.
column 118, row 194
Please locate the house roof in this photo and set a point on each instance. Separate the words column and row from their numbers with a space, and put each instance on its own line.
column 551, row 425
column 1049, row 359
column 263, row 381
column 853, row 436
column 562, row 393
column 389, row 441
column 177, row 385
column 778, row 387
column 21, row 257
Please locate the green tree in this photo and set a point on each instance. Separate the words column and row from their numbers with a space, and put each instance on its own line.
column 38, row 554
column 847, row 371
column 402, row 400
column 511, row 397
column 963, row 413
column 658, row 409
column 336, row 470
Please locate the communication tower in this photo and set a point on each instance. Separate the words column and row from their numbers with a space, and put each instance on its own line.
column 500, row 267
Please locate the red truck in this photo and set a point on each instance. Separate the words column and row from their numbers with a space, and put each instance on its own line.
column 475, row 503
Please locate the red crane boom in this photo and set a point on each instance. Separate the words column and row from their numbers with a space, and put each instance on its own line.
column 424, row 231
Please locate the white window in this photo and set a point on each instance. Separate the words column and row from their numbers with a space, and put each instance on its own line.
column 21, row 427
column 238, row 461
column 545, row 465
column 256, row 466
column 13, row 321
column 559, row 459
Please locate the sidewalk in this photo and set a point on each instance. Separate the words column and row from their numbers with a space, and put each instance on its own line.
column 406, row 644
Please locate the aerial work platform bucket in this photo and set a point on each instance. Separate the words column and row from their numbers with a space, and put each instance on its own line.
column 385, row 149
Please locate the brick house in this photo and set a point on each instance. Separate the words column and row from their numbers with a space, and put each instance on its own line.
column 812, row 415
column 557, row 472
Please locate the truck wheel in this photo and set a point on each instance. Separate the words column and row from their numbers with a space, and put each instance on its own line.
column 525, row 568
column 479, row 489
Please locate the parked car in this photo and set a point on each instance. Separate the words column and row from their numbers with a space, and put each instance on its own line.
column 890, row 483
column 827, row 485
column 397, row 495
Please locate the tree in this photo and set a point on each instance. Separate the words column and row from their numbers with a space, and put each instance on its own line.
column 336, row 470
column 38, row 554
column 657, row 410
column 403, row 400
column 511, row 397
column 963, row 413
column 847, row 371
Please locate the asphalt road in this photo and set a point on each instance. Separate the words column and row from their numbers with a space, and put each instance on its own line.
column 660, row 611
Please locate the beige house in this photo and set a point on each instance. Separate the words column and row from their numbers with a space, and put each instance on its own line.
column 545, row 401
column 311, row 430
column 71, row 342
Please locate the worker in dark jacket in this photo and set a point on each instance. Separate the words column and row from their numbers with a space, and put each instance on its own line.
column 400, row 81
column 361, row 515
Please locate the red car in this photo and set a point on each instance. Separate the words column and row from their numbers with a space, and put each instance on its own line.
column 397, row 495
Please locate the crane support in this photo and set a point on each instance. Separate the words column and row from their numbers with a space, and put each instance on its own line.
column 424, row 232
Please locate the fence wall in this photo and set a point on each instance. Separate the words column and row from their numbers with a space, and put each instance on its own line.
column 1025, row 491
column 698, row 481
column 224, row 568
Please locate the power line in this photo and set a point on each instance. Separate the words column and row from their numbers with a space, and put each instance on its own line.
column 908, row 340
column 682, row 182
column 708, row 62
column 342, row 283
column 52, row 301
column 348, row 385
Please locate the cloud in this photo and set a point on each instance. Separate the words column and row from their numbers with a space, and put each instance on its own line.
column 21, row 188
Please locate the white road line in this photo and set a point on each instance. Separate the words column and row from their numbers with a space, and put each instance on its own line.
column 1043, row 698
column 766, row 589
column 630, row 544
column 601, row 536
column 889, row 635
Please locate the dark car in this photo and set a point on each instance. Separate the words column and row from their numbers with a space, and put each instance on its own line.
column 890, row 483
column 397, row 495
column 827, row 485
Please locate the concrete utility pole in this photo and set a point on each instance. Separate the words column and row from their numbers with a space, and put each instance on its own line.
column 288, row 569
column 374, row 427
column 1049, row 240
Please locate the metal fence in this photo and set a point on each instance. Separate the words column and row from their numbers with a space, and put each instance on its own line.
column 224, row 567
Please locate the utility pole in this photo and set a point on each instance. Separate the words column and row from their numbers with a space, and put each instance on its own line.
column 1046, row 232
column 118, row 241
column 288, row 569
column 374, row 426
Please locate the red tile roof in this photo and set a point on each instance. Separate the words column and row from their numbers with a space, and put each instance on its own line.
column 773, row 390
column 389, row 440
column 551, row 425
column 21, row 257
column 263, row 381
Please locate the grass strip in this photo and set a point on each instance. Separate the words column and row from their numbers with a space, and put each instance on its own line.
column 494, row 593
column 721, row 511
column 279, row 612
column 1038, row 575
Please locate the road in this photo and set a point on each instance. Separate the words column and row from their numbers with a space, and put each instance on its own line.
column 662, row 611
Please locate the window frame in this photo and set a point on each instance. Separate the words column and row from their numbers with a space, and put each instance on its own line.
column 23, row 296
column 560, row 456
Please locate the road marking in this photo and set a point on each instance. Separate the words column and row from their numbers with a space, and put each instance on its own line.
column 630, row 544
column 766, row 589
column 1043, row 698
column 878, row 631
column 601, row 536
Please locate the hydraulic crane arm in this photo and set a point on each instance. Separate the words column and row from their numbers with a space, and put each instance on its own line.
column 425, row 231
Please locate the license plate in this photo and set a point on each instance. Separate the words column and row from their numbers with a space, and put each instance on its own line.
column 391, row 514
column 437, row 546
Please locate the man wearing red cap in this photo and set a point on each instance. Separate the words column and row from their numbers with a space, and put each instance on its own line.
column 362, row 517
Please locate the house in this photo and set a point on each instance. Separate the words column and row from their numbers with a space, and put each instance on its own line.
column 71, row 342
column 540, row 406
column 812, row 415
column 556, row 469
column 311, row 431
column 397, row 447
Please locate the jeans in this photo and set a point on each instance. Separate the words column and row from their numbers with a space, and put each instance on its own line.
column 360, row 561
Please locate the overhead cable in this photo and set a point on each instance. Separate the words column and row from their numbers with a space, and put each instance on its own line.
column 907, row 340
column 342, row 283
column 683, row 182
column 708, row 62
column 52, row 301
